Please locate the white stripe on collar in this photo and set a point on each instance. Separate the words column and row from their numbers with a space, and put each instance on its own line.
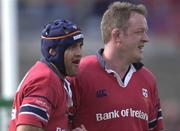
column 69, row 92
column 127, row 77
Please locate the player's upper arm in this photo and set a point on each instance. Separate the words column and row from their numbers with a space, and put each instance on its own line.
column 28, row 128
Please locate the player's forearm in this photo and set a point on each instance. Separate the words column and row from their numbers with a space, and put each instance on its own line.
column 28, row 128
column 81, row 128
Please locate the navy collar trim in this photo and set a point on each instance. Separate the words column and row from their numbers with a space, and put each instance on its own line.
column 52, row 68
column 102, row 62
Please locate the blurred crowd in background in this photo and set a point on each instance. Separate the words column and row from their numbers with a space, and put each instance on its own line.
column 164, row 16
column 162, row 55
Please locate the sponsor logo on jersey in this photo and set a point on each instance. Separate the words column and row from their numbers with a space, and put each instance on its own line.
column 101, row 93
column 60, row 129
column 145, row 92
column 129, row 112
column 107, row 115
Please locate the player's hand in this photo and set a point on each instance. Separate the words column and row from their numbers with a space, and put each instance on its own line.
column 81, row 128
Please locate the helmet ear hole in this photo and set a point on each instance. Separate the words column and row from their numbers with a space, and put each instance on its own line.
column 66, row 31
column 56, row 37
column 52, row 51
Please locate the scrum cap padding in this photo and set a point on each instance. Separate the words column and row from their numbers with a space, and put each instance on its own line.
column 59, row 35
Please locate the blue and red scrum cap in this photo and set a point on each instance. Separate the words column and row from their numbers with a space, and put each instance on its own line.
column 60, row 34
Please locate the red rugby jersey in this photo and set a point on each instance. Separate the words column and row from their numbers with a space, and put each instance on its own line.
column 40, row 100
column 102, row 104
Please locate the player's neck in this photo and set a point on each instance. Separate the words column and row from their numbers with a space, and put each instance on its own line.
column 116, row 63
column 57, row 70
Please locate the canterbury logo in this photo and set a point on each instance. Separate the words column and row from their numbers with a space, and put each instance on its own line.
column 101, row 93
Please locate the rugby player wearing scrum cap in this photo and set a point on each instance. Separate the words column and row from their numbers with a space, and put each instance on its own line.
column 44, row 95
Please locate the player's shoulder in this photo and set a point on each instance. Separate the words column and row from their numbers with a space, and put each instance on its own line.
column 147, row 74
column 143, row 70
column 41, row 69
column 42, row 75
column 147, row 71
column 88, row 61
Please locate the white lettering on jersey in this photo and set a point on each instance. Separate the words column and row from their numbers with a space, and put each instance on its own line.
column 125, row 113
column 139, row 114
column 129, row 112
column 59, row 129
column 108, row 115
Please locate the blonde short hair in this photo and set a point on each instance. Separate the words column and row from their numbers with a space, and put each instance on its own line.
column 117, row 15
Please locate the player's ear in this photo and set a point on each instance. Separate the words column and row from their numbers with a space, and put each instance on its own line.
column 52, row 51
column 116, row 32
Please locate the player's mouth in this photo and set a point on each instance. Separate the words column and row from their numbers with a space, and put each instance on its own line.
column 141, row 47
column 76, row 62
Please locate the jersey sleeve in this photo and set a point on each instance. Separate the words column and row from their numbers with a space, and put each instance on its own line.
column 156, row 119
column 36, row 106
